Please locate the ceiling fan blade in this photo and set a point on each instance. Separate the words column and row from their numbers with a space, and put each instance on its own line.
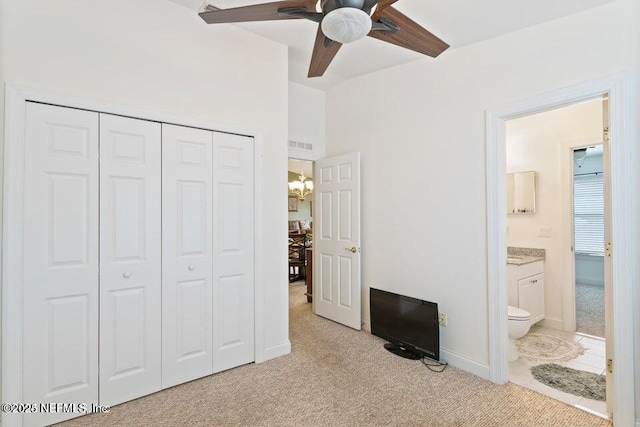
column 410, row 35
column 324, row 50
column 369, row 4
column 382, row 5
column 257, row 12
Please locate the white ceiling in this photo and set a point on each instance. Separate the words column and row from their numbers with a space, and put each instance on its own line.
column 457, row 22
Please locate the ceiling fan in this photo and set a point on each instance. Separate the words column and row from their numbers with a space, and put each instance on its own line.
column 340, row 22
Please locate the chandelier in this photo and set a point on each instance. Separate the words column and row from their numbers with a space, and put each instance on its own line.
column 302, row 187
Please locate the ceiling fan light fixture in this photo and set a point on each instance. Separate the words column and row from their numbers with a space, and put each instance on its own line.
column 346, row 24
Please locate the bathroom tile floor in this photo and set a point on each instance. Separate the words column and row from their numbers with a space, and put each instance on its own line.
column 593, row 360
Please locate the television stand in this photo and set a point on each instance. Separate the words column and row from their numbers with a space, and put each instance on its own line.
column 402, row 352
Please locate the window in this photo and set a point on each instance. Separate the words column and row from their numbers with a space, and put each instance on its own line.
column 588, row 211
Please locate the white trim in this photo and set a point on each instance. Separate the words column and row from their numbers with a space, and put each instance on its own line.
column 295, row 153
column 638, row 423
column 258, row 274
column 497, row 249
column 12, row 252
column 12, row 256
column 566, row 205
column 276, row 351
column 457, row 360
column 591, row 411
column 618, row 88
column 46, row 97
column 552, row 323
column 589, row 280
column 452, row 358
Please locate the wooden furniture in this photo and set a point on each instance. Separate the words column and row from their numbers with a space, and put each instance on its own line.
column 297, row 261
column 309, row 276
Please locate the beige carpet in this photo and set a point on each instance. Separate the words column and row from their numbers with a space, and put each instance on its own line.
column 590, row 310
column 339, row 377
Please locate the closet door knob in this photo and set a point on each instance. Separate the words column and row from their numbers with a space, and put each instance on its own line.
column 192, row 267
column 126, row 275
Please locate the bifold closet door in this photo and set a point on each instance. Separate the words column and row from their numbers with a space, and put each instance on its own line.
column 187, row 175
column 60, row 271
column 130, row 258
column 233, row 252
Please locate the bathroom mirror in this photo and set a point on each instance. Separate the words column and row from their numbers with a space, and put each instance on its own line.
column 521, row 192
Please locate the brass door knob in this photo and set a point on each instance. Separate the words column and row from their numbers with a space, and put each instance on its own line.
column 352, row 249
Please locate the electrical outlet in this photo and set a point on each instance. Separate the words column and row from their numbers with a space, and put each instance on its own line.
column 442, row 319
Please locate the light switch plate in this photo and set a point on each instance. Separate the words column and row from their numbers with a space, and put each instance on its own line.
column 544, row 231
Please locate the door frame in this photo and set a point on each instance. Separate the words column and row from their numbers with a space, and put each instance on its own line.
column 566, row 204
column 618, row 87
column 16, row 97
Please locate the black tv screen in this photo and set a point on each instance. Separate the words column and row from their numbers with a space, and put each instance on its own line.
column 409, row 324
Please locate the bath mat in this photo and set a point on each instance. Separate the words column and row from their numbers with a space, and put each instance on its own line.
column 546, row 348
column 578, row 383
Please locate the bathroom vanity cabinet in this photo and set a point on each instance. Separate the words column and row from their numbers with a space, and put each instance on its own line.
column 526, row 288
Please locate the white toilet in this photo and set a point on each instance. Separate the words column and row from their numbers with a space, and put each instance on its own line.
column 519, row 323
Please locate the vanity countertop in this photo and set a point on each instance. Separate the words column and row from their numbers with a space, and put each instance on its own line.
column 522, row 259
column 521, row 256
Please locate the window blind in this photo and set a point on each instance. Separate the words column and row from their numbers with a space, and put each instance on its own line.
column 588, row 211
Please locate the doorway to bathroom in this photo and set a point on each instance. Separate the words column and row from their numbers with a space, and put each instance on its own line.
column 621, row 342
column 552, row 358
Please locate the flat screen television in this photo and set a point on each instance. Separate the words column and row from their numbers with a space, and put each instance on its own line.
column 409, row 324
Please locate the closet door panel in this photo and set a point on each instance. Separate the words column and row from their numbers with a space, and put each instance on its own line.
column 60, row 292
column 187, row 254
column 130, row 256
column 233, row 298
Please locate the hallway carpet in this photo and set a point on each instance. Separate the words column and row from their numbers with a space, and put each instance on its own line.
column 590, row 310
column 337, row 376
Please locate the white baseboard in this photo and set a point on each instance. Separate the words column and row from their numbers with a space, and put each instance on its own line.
column 552, row 323
column 275, row 351
column 452, row 358
column 464, row 363
column 590, row 280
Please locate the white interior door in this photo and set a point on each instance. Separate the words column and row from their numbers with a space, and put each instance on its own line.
column 336, row 239
column 233, row 261
column 130, row 258
column 187, row 259
column 60, row 293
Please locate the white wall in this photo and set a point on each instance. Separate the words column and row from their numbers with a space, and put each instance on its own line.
column 156, row 55
column 593, row 163
column 538, row 143
column 422, row 138
column 590, row 270
column 307, row 120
